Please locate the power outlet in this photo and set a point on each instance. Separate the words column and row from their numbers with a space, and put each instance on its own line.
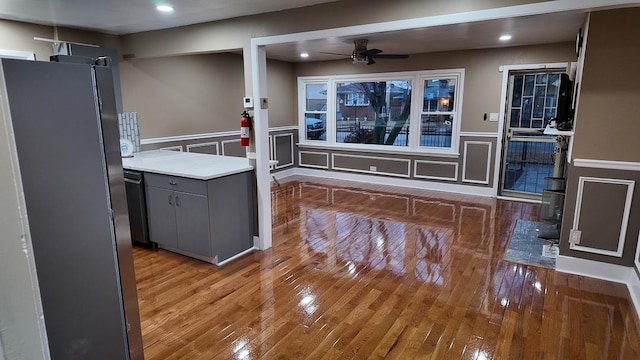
column 373, row 168
column 574, row 236
column 494, row 116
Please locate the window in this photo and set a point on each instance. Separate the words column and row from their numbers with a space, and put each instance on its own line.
column 438, row 115
column 534, row 100
column 316, row 111
column 384, row 120
column 403, row 112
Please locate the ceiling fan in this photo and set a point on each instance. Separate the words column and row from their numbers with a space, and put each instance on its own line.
column 362, row 55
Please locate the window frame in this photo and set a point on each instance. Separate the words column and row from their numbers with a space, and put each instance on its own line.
column 302, row 109
column 417, row 80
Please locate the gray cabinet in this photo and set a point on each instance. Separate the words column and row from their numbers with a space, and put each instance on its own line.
column 161, row 215
column 211, row 220
column 179, row 219
column 192, row 221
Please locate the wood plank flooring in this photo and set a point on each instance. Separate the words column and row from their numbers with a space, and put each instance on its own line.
column 366, row 272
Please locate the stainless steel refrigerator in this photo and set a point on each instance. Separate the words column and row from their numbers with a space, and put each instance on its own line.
column 66, row 134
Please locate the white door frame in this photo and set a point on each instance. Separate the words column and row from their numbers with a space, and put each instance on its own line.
column 506, row 70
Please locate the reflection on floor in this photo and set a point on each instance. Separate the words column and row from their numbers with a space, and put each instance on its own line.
column 526, row 248
column 370, row 272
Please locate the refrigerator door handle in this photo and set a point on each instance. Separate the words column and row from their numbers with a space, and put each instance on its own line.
column 177, row 201
column 170, row 201
column 131, row 181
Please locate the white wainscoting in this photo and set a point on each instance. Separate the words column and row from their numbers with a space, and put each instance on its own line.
column 300, row 152
column 454, row 164
column 625, row 218
column 406, row 161
column 275, row 149
column 214, row 144
column 636, row 261
column 606, row 164
column 401, row 182
column 488, row 164
column 173, row 148
column 225, row 142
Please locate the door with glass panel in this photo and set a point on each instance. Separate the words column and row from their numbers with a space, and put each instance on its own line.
column 528, row 155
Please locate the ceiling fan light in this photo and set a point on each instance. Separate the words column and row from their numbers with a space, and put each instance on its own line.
column 359, row 58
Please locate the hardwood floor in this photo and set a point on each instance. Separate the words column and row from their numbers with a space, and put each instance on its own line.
column 368, row 272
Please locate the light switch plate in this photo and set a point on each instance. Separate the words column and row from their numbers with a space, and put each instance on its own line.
column 494, row 116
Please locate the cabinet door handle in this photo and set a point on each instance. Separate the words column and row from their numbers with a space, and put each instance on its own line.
column 170, row 202
column 172, row 182
column 177, row 201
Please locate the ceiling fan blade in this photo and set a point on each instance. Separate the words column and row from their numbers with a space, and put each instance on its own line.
column 371, row 61
column 390, row 56
column 373, row 52
column 330, row 53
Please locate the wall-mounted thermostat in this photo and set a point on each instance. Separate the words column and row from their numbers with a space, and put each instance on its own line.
column 247, row 102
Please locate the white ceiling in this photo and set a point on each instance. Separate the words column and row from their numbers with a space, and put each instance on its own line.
column 131, row 16
column 527, row 30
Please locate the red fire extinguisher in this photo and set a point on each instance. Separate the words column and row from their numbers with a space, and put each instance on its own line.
column 245, row 125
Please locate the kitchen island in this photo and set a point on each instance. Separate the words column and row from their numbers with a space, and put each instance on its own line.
column 198, row 205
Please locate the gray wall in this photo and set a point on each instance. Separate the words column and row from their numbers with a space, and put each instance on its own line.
column 601, row 214
column 607, row 125
column 608, row 113
column 197, row 94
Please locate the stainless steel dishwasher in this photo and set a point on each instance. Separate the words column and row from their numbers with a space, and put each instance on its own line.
column 136, row 201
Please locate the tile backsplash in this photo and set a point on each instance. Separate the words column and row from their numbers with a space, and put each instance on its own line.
column 128, row 122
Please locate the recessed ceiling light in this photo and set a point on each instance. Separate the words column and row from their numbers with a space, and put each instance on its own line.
column 164, row 8
column 304, row 55
column 505, row 37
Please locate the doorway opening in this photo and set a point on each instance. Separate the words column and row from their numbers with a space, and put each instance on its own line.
column 528, row 155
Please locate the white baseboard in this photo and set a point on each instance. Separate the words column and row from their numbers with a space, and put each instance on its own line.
column 223, row 262
column 511, row 198
column 284, row 173
column 634, row 290
column 383, row 180
column 599, row 270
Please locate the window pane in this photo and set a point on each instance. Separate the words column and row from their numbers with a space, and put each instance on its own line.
column 538, row 102
column 541, row 79
column 439, row 95
column 528, row 84
column 525, row 116
column 435, row 130
column 316, row 97
column 316, row 126
column 374, row 112
column 517, row 91
column 515, row 118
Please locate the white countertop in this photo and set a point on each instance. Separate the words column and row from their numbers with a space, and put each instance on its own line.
column 184, row 164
